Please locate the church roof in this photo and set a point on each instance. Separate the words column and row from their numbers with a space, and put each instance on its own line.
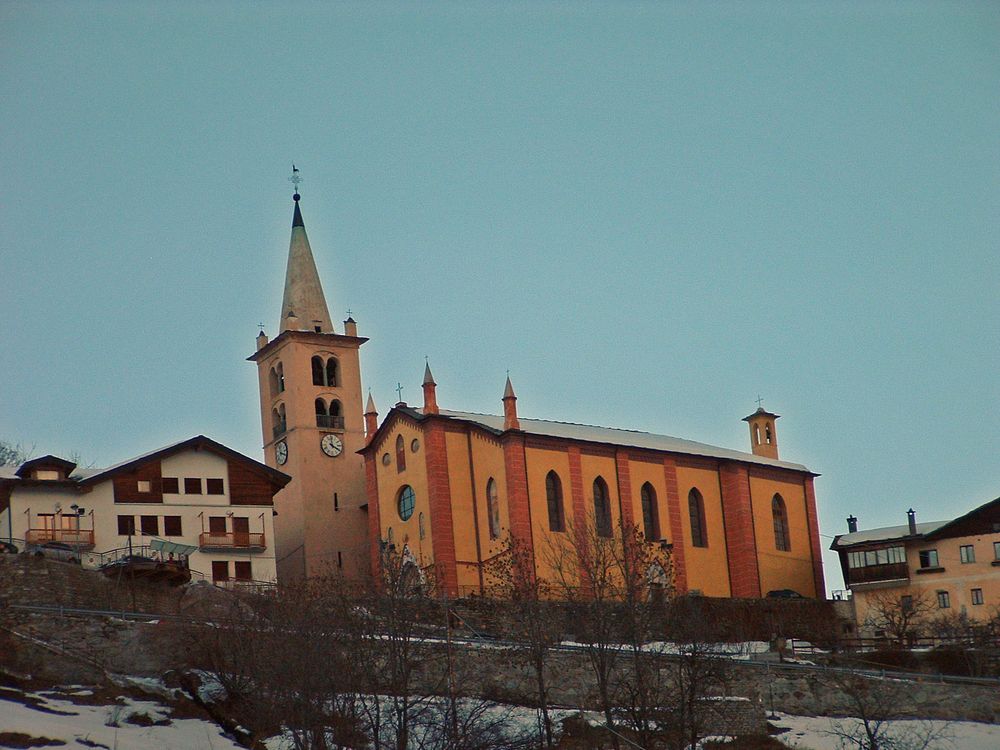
column 303, row 305
column 606, row 435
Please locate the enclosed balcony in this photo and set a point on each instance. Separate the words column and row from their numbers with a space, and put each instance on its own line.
column 877, row 573
column 222, row 541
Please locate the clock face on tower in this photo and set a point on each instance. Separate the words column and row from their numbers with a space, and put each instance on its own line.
column 281, row 452
column 331, row 445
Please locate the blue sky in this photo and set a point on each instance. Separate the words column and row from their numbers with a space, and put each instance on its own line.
column 648, row 212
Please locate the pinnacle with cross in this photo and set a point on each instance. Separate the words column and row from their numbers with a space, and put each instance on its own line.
column 759, row 402
column 399, row 391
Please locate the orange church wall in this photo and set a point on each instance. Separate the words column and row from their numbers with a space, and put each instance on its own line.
column 603, row 466
column 391, row 481
column 548, row 545
column 707, row 568
column 778, row 569
column 473, row 459
column 641, row 472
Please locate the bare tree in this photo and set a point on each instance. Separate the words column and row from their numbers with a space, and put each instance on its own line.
column 875, row 708
column 14, row 454
column 901, row 617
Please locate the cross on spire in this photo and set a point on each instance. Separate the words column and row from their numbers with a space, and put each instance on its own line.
column 399, row 390
column 261, row 327
column 759, row 401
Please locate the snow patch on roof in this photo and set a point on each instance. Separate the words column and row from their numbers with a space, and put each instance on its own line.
column 887, row 533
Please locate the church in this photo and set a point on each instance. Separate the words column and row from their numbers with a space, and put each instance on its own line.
column 453, row 488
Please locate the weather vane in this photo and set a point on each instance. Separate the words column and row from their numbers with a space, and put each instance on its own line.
column 295, row 179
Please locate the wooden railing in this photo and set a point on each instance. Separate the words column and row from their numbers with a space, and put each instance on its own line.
column 872, row 573
column 74, row 537
column 231, row 540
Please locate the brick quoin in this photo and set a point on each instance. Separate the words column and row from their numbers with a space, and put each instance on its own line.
column 517, row 493
column 442, row 523
column 579, row 508
column 744, row 577
column 374, row 520
column 814, row 548
column 676, row 526
column 624, row 489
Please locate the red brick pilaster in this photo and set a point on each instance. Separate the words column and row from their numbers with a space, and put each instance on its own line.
column 442, row 523
column 814, row 549
column 579, row 510
column 741, row 547
column 374, row 519
column 676, row 525
column 518, row 507
column 624, row 489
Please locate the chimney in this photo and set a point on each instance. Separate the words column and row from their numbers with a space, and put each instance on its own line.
column 510, row 421
column 852, row 524
column 911, row 519
column 350, row 327
column 371, row 418
column 430, row 396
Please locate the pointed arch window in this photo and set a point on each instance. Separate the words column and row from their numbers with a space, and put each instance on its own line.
column 400, row 453
column 696, row 512
column 779, row 513
column 650, row 513
column 317, row 370
column 276, row 378
column 493, row 508
column 602, row 508
column 280, row 371
column 331, row 372
column 554, row 501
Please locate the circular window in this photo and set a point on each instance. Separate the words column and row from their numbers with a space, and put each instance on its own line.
column 415, row 445
column 385, row 459
column 406, row 502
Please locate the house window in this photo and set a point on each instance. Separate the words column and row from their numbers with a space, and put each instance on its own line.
column 216, row 525
column 650, row 513
column 405, row 502
column 143, row 485
column 400, row 454
column 192, row 486
column 906, row 603
column 928, row 558
column 242, row 571
column 554, row 502
column 150, row 525
column 944, row 600
column 696, row 512
column 493, row 508
column 172, row 526
column 126, row 525
column 780, row 517
column 977, row 596
column 996, row 550
column 967, row 553
column 214, row 487
column 602, row 508
column 170, row 486
column 220, row 570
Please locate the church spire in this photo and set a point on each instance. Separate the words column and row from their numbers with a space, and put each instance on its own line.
column 303, row 306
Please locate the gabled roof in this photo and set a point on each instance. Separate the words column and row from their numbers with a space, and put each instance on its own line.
column 49, row 461
column 86, row 477
column 592, row 434
column 884, row 534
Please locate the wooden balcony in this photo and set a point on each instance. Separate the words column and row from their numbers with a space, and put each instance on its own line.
column 223, row 541
column 78, row 538
column 875, row 573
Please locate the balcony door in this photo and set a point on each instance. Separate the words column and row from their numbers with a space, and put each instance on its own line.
column 241, row 531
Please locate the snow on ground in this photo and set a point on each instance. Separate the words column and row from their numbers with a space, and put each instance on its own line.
column 814, row 733
column 65, row 720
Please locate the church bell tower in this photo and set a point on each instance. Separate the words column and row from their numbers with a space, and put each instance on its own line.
column 313, row 425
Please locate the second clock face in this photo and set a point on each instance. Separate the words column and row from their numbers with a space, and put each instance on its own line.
column 281, row 452
column 331, row 445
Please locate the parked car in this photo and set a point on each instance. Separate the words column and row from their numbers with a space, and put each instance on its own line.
column 8, row 548
column 784, row 594
column 56, row 551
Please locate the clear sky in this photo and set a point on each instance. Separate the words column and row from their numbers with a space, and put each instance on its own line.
column 649, row 213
